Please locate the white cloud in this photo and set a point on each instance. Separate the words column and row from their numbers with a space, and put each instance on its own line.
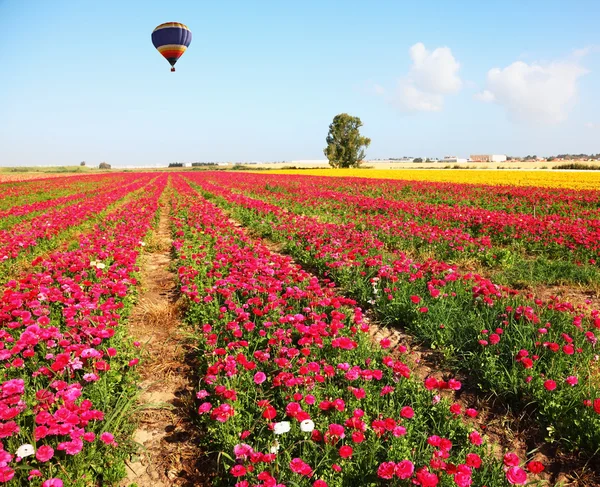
column 485, row 96
column 584, row 51
column 434, row 72
column 432, row 75
column 534, row 92
column 591, row 125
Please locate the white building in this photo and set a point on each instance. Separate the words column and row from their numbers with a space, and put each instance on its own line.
column 488, row 157
column 453, row 159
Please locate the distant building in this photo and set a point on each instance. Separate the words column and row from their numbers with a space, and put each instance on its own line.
column 453, row 159
column 488, row 157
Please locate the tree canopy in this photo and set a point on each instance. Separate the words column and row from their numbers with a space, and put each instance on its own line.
column 345, row 146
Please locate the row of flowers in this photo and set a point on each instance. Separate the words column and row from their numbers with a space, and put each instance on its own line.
column 59, row 194
column 47, row 225
column 528, row 350
column 474, row 226
column 67, row 382
column 16, row 192
column 512, row 198
column 294, row 392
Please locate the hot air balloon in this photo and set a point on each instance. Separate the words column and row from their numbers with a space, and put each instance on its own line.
column 171, row 39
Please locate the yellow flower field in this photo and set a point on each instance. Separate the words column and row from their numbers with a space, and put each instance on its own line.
column 553, row 179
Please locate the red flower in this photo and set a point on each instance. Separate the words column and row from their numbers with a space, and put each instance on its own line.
column 238, row 471
column 550, row 385
column 407, row 412
column 473, row 460
column 346, row 451
column 426, row 478
column 535, row 467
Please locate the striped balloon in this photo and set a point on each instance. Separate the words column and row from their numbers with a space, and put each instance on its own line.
column 171, row 39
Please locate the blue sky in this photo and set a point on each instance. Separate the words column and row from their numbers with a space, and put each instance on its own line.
column 81, row 80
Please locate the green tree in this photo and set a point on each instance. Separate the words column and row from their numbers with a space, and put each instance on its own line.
column 345, row 146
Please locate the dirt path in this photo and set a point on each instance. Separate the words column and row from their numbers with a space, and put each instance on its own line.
column 170, row 455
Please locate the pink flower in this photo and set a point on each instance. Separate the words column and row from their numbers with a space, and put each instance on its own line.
column 299, row 466
column 6, row 474
column 259, row 377
column 386, row 470
column 463, row 479
column 550, row 385
column 54, row 482
column 107, row 438
column 404, row 469
column 71, row 447
column 572, row 380
column 516, row 476
column 44, row 453
column 511, row 460
column 319, row 483
column 33, row 474
column 242, row 451
column 475, row 438
column 205, row 407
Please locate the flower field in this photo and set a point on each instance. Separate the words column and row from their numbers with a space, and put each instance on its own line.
column 287, row 282
column 543, row 179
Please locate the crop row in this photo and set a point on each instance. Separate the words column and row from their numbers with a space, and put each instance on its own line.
column 14, row 194
column 520, row 262
column 67, row 384
column 294, row 392
column 51, row 223
column 57, row 198
column 513, row 199
column 554, row 235
column 526, row 350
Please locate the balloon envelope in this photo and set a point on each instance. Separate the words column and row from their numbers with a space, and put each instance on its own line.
column 171, row 39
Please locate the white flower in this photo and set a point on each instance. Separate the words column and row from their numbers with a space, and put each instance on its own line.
column 307, row 426
column 25, row 450
column 100, row 265
column 281, row 427
column 275, row 447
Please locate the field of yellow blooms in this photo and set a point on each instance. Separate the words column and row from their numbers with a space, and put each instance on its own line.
column 548, row 179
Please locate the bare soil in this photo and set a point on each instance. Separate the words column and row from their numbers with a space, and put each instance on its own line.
column 169, row 453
